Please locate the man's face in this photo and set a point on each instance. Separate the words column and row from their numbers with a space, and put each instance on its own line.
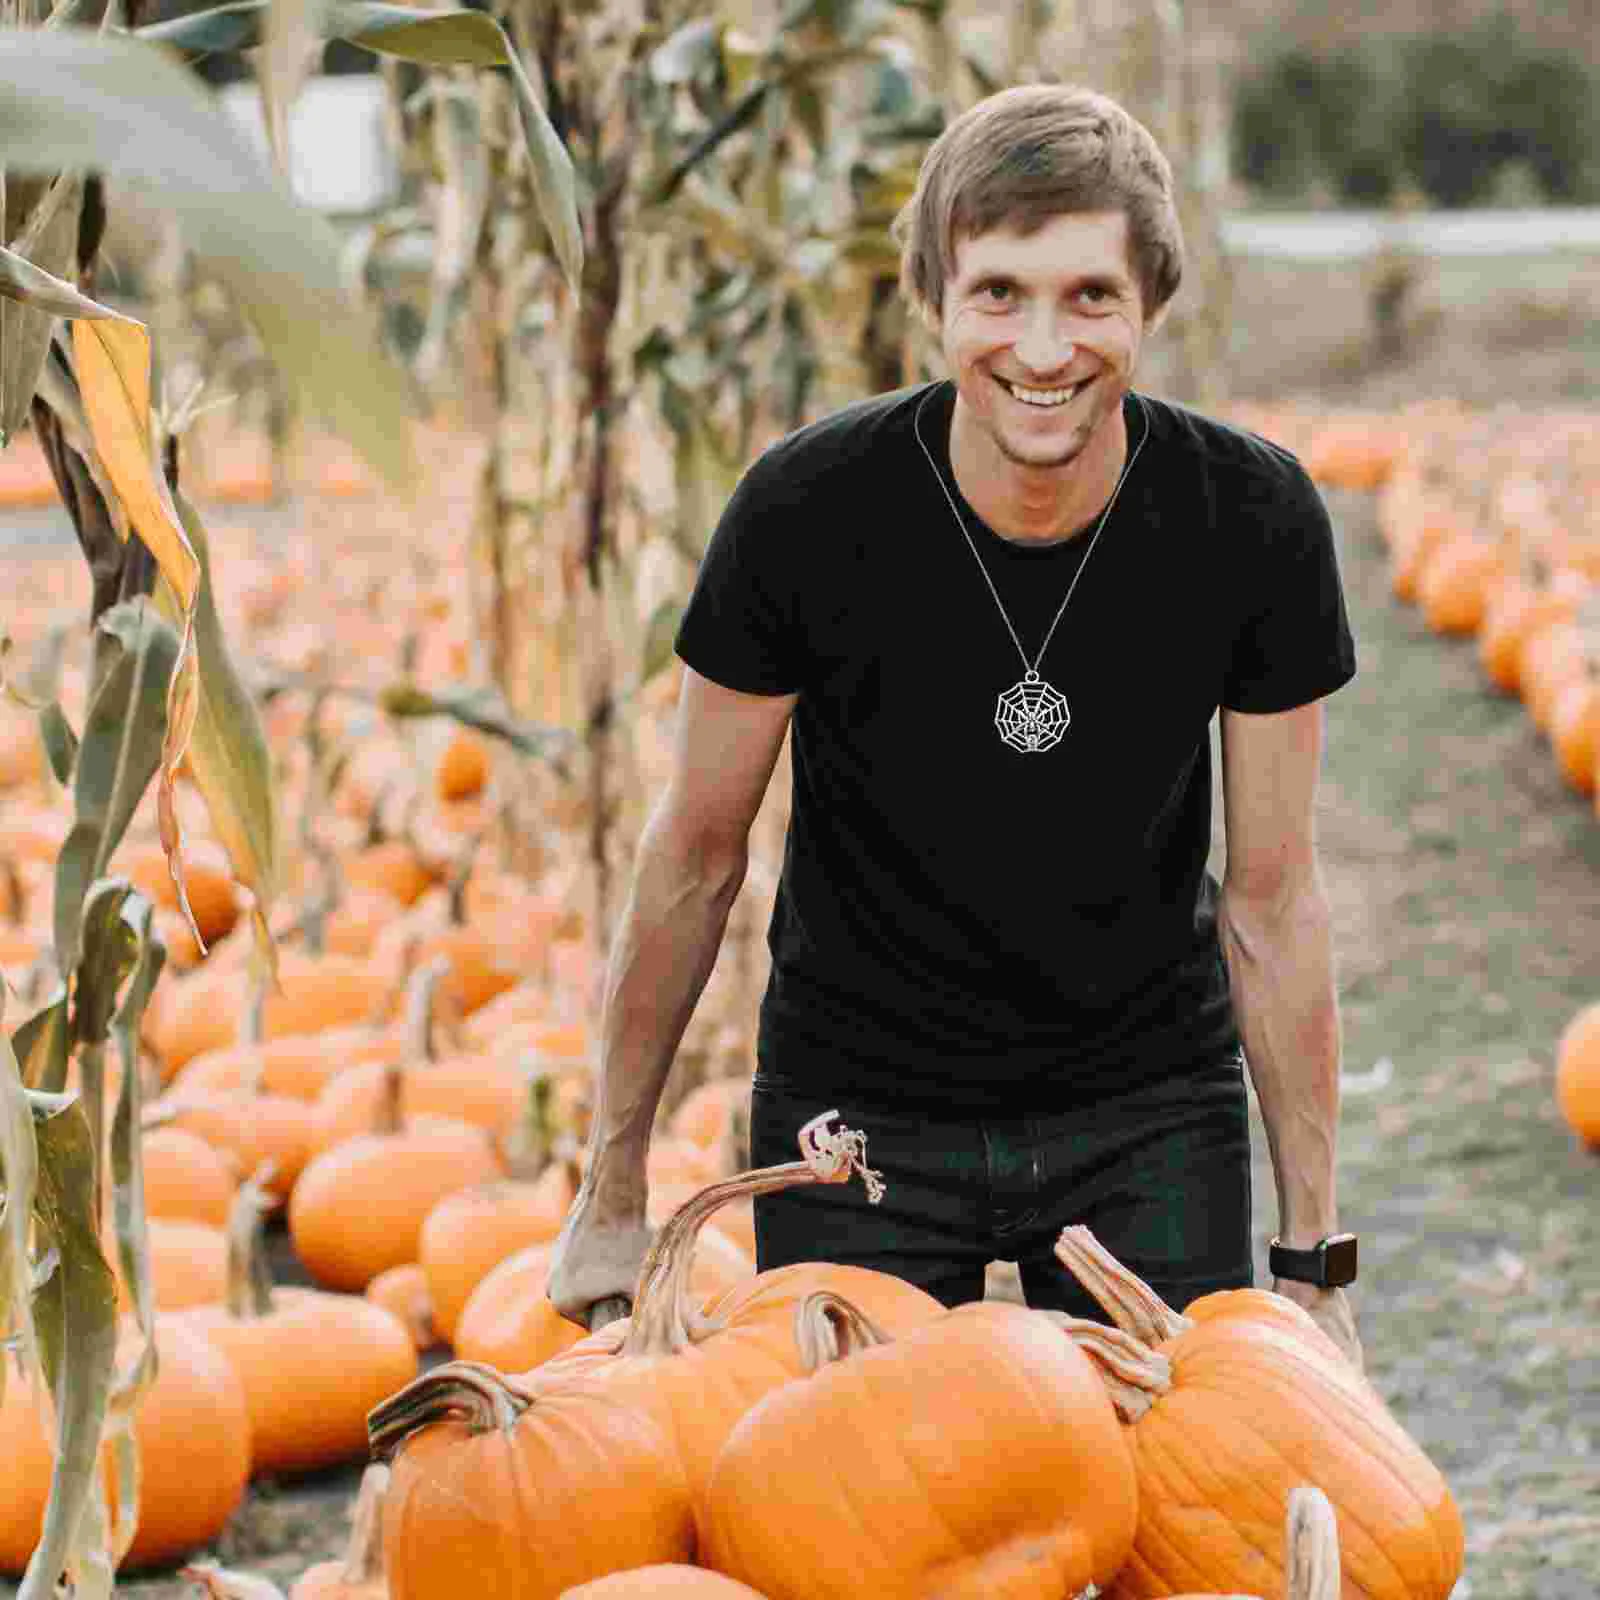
column 1041, row 333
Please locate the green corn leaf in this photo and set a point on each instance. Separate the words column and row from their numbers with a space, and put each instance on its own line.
column 119, row 754
column 49, row 241
column 19, row 1174
column 128, row 1216
column 75, row 1314
column 432, row 38
column 109, row 947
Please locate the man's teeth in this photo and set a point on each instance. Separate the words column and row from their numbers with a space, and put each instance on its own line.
column 1042, row 397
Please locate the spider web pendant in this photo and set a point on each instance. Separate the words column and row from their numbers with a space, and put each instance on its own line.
column 1032, row 715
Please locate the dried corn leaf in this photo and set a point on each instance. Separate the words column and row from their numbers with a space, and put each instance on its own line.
column 228, row 752
column 43, row 1046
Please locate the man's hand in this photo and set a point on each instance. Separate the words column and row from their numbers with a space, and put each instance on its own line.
column 597, row 1254
column 1330, row 1311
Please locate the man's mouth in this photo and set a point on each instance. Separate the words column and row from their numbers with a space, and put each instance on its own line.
column 1043, row 399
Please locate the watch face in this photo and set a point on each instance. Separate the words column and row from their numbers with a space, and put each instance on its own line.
column 1339, row 1260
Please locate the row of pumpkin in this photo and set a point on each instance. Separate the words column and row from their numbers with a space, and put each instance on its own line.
column 1488, row 519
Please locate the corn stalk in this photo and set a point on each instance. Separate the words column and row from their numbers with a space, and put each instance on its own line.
column 81, row 97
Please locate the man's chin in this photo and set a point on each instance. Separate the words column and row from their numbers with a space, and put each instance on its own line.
column 1042, row 454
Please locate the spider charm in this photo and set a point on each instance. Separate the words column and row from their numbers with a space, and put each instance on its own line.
column 1031, row 715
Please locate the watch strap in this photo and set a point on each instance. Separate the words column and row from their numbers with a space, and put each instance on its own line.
column 1329, row 1264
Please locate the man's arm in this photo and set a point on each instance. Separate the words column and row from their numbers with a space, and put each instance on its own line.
column 689, row 867
column 1277, row 940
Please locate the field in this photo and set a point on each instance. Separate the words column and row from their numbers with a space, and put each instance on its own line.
column 1466, row 885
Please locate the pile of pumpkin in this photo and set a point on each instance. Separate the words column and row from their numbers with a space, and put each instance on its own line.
column 818, row 1432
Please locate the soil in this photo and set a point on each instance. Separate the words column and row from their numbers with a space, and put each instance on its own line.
column 1465, row 880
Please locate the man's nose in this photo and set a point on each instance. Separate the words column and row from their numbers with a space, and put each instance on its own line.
column 1045, row 345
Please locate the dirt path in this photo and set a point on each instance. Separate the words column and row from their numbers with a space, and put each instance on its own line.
column 1466, row 885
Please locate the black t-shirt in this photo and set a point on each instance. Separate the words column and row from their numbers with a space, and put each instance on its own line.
column 964, row 924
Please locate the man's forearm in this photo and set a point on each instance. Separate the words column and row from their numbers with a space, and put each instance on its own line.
column 1280, row 966
column 665, row 947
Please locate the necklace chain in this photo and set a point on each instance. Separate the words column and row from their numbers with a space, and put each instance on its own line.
column 1030, row 668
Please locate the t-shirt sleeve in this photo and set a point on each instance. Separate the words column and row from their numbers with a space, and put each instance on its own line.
column 741, row 626
column 1294, row 643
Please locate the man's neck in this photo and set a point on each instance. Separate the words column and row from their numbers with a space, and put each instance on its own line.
column 1036, row 505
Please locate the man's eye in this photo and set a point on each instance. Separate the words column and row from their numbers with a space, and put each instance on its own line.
column 997, row 294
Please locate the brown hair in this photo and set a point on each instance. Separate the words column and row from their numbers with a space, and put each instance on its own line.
column 1024, row 156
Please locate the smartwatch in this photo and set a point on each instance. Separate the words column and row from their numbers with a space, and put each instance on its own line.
column 1330, row 1263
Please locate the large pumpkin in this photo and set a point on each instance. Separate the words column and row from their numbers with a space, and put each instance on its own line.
column 975, row 1456
column 193, row 1434
column 312, row 1364
column 1228, row 1415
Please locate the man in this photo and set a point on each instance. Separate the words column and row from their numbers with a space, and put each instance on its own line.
column 999, row 614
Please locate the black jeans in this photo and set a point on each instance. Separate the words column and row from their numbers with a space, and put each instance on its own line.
column 1161, row 1175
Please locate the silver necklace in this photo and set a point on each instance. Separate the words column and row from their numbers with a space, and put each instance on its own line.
column 1032, row 714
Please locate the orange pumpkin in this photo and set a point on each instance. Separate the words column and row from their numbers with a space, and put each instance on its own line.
column 1517, row 609
column 1578, row 1074
column 358, row 1208
column 192, row 1429
column 472, row 1231
column 467, row 1088
column 1575, row 731
column 214, row 895
column 248, row 1129
column 1293, row 1415
column 188, row 1265
column 403, row 1292
column 186, row 1178
column 1456, row 580
column 879, row 1473
column 298, row 1065
column 1552, row 657
column 204, row 1008
column 311, row 1364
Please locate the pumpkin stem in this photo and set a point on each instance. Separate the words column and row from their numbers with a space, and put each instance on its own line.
column 666, row 1317
column 1312, row 1561
column 530, row 1145
column 828, row 1328
column 249, row 1294
column 223, row 1583
column 1135, row 1376
column 1125, row 1297
column 363, row 1556
column 461, row 1391
column 252, row 1033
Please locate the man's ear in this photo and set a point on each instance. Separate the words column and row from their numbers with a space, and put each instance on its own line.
column 1152, row 323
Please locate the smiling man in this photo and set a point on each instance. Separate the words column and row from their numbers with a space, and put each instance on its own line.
column 999, row 613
